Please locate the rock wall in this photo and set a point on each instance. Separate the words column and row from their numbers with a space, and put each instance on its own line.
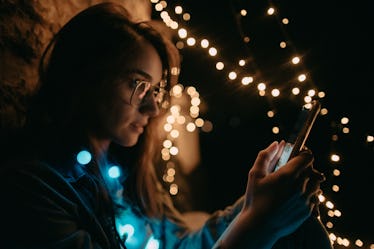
column 25, row 29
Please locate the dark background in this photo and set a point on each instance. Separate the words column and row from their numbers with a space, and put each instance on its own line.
column 332, row 38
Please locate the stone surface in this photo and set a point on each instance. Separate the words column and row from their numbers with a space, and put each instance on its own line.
column 25, row 29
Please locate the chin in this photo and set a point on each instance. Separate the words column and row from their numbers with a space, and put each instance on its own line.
column 128, row 142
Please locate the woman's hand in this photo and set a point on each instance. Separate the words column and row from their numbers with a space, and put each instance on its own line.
column 284, row 199
column 276, row 203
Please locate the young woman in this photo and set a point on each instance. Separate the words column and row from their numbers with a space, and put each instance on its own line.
column 103, row 83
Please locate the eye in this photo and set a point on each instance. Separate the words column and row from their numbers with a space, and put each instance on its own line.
column 134, row 83
column 141, row 88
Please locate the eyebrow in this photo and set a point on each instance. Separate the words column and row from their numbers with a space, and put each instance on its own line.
column 145, row 75
column 137, row 71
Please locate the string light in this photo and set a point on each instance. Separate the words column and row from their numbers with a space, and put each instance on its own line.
column 302, row 78
column 180, row 116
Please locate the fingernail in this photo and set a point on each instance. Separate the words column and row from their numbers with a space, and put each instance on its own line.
column 274, row 143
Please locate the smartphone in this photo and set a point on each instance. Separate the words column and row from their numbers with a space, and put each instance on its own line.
column 296, row 141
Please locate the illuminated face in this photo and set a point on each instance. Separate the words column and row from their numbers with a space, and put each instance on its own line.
column 121, row 119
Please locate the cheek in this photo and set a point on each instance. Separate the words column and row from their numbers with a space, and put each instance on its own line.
column 119, row 115
column 120, row 129
column 113, row 115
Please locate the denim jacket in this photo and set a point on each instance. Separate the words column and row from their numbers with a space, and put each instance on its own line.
column 49, row 207
column 44, row 207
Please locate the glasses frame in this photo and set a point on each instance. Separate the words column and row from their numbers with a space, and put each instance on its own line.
column 158, row 91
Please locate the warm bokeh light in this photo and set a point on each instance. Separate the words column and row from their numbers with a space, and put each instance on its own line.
column 275, row 130
column 295, row 60
column 275, row 92
column 321, row 94
column 174, row 133
column 285, row 21
column 247, row 80
column 311, row 92
column 212, row 51
column 220, row 65
column 173, row 189
column 283, row 44
column 190, row 127
column 191, row 41
column 369, row 138
column 182, row 33
column 324, row 111
column 336, row 172
column 261, row 86
column 301, row 77
column 344, row 120
column 158, row 7
column 207, row 126
column 271, row 11
column 178, row 9
column 167, row 143
column 335, row 158
column 270, row 114
column 186, row 16
column 199, row 122
column 295, row 91
column 232, row 75
column 329, row 205
column 204, row 43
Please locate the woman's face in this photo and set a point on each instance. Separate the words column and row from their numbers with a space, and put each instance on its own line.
column 121, row 116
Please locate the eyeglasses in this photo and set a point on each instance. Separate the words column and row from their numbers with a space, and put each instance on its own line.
column 144, row 89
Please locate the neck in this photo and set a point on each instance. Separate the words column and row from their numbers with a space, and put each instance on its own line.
column 99, row 148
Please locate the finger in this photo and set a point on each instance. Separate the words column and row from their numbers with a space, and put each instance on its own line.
column 301, row 162
column 310, row 172
column 315, row 199
column 312, row 188
column 314, row 179
column 264, row 158
column 305, row 186
column 317, row 175
column 277, row 156
column 315, row 211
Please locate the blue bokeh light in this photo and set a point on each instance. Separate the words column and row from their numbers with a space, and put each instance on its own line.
column 84, row 157
column 114, row 172
column 127, row 230
column 152, row 243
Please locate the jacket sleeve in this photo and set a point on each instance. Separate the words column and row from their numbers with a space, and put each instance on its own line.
column 177, row 234
column 34, row 214
column 311, row 233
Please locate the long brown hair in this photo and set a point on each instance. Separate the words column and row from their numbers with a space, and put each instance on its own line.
column 145, row 189
column 88, row 51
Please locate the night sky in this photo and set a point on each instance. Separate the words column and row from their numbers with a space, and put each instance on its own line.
column 332, row 39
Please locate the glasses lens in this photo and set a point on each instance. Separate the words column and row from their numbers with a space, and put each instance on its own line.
column 139, row 92
column 145, row 90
